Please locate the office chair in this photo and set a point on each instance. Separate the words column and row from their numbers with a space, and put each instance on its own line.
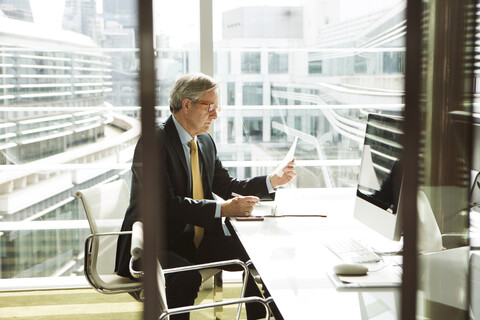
column 204, row 269
column 105, row 206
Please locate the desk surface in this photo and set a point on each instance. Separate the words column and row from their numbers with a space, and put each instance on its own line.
column 294, row 264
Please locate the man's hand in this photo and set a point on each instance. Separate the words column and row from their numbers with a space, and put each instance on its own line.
column 288, row 175
column 239, row 206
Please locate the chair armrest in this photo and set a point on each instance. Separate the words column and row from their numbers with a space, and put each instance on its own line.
column 215, row 265
column 208, row 266
column 90, row 237
column 104, row 234
column 136, row 248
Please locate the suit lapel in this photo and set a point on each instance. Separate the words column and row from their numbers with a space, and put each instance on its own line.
column 176, row 143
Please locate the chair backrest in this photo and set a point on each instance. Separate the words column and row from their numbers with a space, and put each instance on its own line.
column 105, row 207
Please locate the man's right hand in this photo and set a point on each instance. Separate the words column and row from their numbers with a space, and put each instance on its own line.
column 239, row 206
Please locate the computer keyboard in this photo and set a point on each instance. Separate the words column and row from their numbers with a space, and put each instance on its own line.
column 351, row 250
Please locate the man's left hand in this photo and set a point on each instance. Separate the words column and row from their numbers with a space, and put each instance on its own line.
column 288, row 175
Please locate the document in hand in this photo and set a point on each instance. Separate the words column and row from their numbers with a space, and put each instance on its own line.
column 289, row 157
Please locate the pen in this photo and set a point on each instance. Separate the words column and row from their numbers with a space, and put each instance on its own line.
column 239, row 195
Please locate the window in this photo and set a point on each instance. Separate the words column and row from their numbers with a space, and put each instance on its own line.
column 298, row 123
column 360, row 64
column 393, row 62
column 253, row 128
column 315, row 67
column 231, row 93
column 250, row 62
column 277, row 62
column 252, row 94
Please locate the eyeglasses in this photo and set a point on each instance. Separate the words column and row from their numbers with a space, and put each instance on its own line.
column 211, row 106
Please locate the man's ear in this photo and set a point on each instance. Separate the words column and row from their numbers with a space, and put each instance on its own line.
column 186, row 104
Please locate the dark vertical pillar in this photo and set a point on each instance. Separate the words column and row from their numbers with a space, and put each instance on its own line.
column 151, row 213
column 410, row 157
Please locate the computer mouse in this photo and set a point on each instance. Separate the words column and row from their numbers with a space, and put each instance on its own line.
column 350, row 269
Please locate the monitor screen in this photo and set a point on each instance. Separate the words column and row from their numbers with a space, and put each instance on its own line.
column 380, row 176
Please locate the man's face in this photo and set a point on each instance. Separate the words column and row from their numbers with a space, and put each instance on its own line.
column 199, row 118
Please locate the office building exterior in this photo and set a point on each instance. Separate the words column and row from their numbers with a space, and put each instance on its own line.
column 54, row 118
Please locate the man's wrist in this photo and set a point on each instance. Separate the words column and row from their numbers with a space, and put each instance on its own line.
column 271, row 184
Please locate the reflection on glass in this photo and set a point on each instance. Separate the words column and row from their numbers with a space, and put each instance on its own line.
column 385, row 197
column 380, row 175
column 445, row 154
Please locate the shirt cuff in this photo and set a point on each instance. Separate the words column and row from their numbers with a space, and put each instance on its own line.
column 269, row 185
column 218, row 210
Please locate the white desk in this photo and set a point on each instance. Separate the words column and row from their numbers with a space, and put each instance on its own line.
column 289, row 256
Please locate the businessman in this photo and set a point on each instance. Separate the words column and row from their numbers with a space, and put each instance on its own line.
column 192, row 174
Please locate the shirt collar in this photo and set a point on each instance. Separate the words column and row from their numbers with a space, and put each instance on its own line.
column 182, row 133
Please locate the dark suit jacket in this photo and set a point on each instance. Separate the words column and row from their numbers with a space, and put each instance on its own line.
column 181, row 211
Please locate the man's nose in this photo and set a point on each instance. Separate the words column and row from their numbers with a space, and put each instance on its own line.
column 214, row 114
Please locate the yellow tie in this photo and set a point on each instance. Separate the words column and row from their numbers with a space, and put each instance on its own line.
column 197, row 188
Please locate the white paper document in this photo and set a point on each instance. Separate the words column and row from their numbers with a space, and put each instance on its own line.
column 264, row 209
column 288, row 158
column 292, row 202
column 300, row 202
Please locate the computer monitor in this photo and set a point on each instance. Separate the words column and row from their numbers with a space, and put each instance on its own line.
column 380, row 176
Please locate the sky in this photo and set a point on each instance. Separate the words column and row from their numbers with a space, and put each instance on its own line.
column 48, row 12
